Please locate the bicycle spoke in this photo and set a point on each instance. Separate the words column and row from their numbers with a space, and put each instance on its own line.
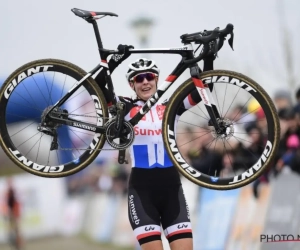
column 62, row 91
column 210, row 165
column 193, row 139
column 12, row 135
column 232, row 168
column 192, row 124
column 40, row 90
column 80, row 106
column 241, row 109
column 222, row 112
column 22, row 105
column 80, row 138
column 25, row 117
column 27, row 140
column 39, row 147
column 232, row 102
column 217, row 101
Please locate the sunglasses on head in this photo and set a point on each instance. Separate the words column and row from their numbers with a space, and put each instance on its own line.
column 140, row 78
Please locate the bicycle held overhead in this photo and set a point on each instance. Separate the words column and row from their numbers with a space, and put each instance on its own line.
column 71, row 125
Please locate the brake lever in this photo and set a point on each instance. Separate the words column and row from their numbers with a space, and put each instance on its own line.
column 216, row 47
column 230, row 40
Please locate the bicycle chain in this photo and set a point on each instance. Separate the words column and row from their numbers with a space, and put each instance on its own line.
column 85, row 149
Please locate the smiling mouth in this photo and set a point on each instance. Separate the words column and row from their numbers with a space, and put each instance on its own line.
column 146, row 89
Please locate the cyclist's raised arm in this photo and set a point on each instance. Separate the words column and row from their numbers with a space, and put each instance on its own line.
column 194, row 97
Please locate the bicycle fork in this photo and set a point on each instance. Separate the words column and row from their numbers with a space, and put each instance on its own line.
column 207, row 98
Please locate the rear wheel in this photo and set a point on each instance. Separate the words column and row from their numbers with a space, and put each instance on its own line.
column 245, row 148
column 25, row 97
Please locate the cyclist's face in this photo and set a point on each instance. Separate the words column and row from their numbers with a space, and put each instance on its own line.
column 144, row 87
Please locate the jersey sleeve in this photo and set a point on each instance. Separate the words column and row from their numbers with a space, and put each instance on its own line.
column 191, row 100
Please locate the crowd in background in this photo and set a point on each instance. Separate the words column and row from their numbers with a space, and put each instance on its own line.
column 203, row 153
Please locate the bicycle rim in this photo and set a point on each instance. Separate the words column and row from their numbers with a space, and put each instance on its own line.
column 27, row 94
column 246, row 148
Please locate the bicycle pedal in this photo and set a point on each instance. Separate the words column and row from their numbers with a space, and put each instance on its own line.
column 122, row 161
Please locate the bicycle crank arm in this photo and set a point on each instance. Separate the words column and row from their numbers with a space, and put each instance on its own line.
column 121, row 157
column 119, row 119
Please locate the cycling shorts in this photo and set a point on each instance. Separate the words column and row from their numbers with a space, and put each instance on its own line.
column 155, row 199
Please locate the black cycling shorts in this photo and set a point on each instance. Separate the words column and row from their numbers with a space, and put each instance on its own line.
column 155, row 199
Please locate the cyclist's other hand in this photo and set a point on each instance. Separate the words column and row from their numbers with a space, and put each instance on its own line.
column 124, row 53
column 124, row 49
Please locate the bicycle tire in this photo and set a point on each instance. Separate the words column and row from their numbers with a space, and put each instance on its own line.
column 180, row 162
column 56, row 68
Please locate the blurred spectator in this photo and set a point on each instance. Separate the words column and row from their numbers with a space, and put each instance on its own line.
column 282, row 99
column 247, row 155
column 295, row 161
column 227, row 161
column 205, row 160
column 289, row 124
column 261, row 121
column 13, row 208
column 297, row 106
column 288, row 154
column 292, row 145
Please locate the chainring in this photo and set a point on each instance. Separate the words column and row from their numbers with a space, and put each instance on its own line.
column 125, row 140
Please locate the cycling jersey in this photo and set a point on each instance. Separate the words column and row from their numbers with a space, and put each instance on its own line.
column 147, row 150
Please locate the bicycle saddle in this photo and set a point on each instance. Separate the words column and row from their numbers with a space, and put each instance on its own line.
column 89, row 14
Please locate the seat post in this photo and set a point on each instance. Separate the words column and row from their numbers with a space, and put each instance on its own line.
column 97, row 34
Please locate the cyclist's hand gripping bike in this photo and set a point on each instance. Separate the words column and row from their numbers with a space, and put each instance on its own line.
column 70, row 120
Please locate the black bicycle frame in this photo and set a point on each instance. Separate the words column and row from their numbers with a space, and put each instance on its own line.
column 185, row 51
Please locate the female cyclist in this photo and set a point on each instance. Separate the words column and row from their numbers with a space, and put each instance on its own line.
column 155, row 194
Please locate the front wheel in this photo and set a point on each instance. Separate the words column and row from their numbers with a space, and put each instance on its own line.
column 249, row 141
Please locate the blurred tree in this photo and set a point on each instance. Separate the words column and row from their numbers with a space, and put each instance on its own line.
column 288, row 50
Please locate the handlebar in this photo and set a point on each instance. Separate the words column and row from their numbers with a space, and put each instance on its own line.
column 212, row 42
column 207, row 38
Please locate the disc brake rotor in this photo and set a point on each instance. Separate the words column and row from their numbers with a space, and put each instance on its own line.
column 227, row 129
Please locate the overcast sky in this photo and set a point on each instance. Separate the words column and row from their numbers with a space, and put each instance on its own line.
column 35, row 29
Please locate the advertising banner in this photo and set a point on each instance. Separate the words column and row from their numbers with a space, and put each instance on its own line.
column 215, row 212
column 282, row 226
column 249, row 219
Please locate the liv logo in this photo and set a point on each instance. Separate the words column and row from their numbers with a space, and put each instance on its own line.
column 149, row 228
column 182, row 226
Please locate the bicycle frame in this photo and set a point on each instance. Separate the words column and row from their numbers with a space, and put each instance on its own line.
column 185, row 51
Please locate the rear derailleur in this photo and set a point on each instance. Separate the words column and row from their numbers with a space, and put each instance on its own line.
column 49, row 127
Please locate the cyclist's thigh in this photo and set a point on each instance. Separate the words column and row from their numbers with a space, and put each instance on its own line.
column 143, row 216
column 175, row 215
column 186, row 244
